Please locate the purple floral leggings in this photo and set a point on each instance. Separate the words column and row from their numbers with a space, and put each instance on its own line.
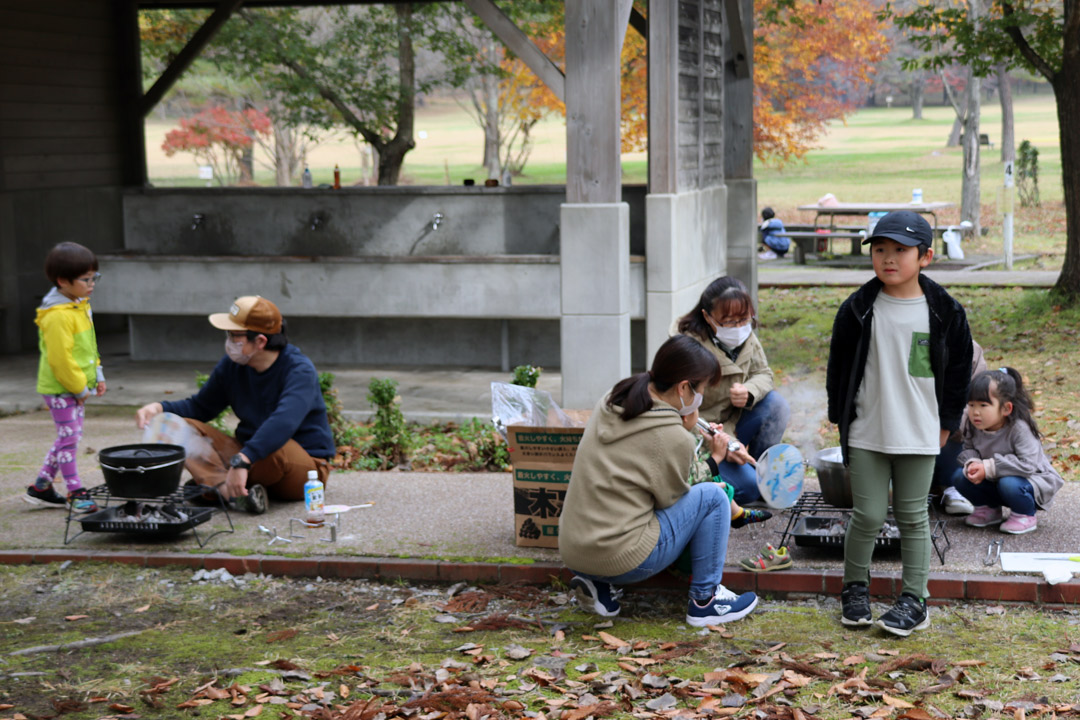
column 67, row 414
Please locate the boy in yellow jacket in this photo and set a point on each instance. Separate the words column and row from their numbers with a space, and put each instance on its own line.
column 69, row 370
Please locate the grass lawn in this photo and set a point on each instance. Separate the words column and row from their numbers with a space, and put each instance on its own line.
column 360, row 650
column 878, row 154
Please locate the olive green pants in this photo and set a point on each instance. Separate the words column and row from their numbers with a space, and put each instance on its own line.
column 870, row 475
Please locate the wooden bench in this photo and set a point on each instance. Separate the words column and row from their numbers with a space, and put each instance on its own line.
column 984, row 139
column 811, row 242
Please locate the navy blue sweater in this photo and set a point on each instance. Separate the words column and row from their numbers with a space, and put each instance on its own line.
column 284, row 402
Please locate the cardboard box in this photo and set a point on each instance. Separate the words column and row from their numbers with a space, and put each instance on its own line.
column 542, row 458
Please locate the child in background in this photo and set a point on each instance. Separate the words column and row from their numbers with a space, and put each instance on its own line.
column 899, row 367
column 1003, row 460
column 69, row 370
column 770, row 226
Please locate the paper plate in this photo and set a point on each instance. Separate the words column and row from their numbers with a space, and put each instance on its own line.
column 780, row 471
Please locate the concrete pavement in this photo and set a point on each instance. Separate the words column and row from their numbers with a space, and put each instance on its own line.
column 463, row 523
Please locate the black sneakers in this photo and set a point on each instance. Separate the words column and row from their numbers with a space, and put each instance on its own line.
column 907, row 615
column 855, row 601
column 596, row 596
column 44, row 498
column 750, row 516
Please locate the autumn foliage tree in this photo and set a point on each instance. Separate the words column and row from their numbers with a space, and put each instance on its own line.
column 812, row 62
column 218, row 137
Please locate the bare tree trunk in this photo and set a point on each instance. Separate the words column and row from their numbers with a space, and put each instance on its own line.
column 954, row 133
column 1067, row 94
column 491, row 127
column 1008, row 125
column 918, row 93
column 392, row 154
column 285, row 159
column 970, row 201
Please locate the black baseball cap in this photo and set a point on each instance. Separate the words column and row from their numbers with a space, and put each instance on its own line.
column 905, row 227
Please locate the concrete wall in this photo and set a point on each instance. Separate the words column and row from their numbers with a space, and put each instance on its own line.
column 482, row 311
column 353, row 222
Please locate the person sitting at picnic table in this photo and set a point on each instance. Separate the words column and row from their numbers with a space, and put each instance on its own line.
column 743, row 400
column 274, row 389
column 770, row 227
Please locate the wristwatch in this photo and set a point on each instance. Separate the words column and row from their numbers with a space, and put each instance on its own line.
column 237, row 461
column 734, row 446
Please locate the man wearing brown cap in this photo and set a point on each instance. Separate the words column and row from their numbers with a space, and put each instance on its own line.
column 274, row 390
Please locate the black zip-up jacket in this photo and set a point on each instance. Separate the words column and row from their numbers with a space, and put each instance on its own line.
column 950, row 354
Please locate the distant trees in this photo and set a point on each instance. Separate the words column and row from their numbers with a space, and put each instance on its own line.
column 812, row 63
column 1040, row 36
column 219, row 137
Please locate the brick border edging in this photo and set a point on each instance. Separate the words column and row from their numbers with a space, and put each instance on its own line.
column 943, row 586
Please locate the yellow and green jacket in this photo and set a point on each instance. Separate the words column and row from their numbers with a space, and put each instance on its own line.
column 69, row 354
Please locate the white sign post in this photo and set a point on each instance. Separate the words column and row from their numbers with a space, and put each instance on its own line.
column 1007, row 222
column 206, row 172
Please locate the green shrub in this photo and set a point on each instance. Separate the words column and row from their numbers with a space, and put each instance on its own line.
column 341, row 427
column 391, row 433
column 526, row 375
column 1027, row 174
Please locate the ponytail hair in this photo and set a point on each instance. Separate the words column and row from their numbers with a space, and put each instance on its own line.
column 679, row 358
column 726, row 294
column 1006, row 385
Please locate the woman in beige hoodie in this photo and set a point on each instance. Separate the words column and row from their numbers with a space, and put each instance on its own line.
column 636, row 500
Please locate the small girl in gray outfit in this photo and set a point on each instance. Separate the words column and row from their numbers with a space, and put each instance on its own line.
column 1003, row 460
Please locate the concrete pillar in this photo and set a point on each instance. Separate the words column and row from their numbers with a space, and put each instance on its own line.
column 686, row 249
column 595, row 274
column 595, row 225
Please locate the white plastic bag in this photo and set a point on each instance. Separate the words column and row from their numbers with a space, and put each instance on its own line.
column 952, row 239
column 520, row 405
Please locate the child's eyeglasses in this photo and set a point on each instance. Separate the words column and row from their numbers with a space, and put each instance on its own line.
column 92, row 280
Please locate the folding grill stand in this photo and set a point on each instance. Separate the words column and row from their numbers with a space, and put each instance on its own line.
column 196, row 515
column 812, row 504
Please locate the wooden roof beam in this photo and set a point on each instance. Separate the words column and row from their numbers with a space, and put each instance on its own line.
column 187, row 55
column 737, row 37
column 521, row 45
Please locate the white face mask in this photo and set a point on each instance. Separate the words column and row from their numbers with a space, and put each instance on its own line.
column 685, row 410
column 235, row 351
column 733, row 337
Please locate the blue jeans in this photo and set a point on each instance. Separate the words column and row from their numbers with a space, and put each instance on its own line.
column 759, row 428
column 945, row 466
column 1011, row 491
column 700, row 519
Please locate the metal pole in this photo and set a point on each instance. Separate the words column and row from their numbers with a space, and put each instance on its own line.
column 1007, row 222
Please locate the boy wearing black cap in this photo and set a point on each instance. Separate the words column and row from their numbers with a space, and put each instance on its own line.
column 897, row 380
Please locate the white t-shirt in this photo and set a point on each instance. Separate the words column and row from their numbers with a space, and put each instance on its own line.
column 896, row 409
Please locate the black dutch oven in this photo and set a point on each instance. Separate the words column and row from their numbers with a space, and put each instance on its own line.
column 142, row 471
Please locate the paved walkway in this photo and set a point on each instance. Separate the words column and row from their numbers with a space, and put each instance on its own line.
column 445, row 526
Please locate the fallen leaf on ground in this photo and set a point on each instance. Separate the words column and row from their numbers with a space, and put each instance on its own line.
column 144, row 608
column 71, row 618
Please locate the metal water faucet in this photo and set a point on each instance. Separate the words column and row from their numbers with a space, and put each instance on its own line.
column 435, row 220
column 197, row 220
column 316, row 221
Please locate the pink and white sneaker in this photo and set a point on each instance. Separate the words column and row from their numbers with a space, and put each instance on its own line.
column 984, row 516
column 1019, row 524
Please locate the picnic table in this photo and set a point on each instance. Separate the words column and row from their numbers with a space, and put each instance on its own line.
column 848, row 209
column 809, row 241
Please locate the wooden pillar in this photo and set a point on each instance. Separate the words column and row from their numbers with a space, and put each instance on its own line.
column 686, row 208
column 595, row 225
column 742, row 232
